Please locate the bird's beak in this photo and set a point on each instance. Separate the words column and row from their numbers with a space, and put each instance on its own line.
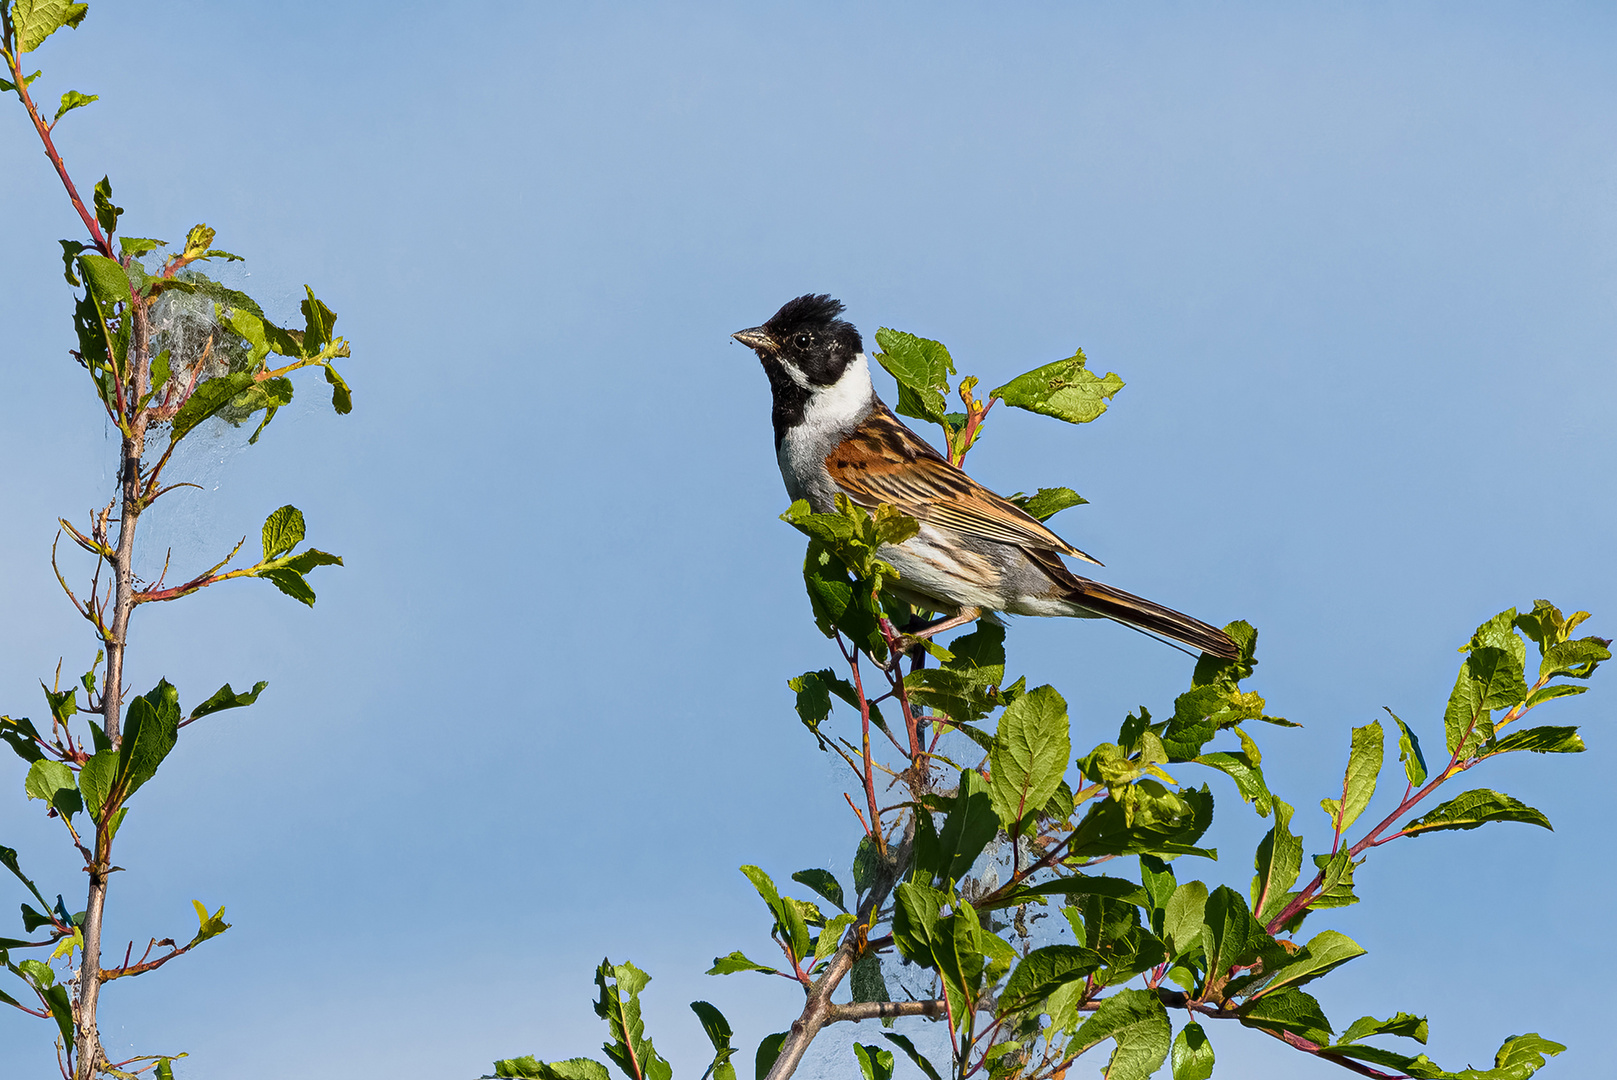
column 755, row 338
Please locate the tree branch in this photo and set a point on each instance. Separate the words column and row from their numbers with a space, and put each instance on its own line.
column 90, row 223
column 883, row 1010
column 818, row 1010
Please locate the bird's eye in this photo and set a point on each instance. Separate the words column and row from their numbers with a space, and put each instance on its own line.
column 803, row 341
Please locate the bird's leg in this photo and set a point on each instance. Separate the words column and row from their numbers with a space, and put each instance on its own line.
column 913, row 636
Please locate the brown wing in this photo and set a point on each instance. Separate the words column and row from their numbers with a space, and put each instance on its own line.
column 885, row 462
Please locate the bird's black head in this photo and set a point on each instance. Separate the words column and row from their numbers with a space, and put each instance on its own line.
column 804, row 348
column 807, row 335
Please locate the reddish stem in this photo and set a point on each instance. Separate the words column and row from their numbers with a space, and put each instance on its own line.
column 1374, row 838
column 864, row 723
column 90, row 223
column 858, row 814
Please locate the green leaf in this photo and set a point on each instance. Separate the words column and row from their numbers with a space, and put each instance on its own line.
column 1042, row 971
column 1475, row 808
column 958, row 947
column 1138, row 1023
column 33, row 21
column 968, row 826
column 729, row 965
column 1157, row 881
column 309, row 558
column 1575, row 659
column 1279, row 858
column 290, row 582
column 813, row 698
column 1146, row 817
column 37, row 972
column 922, row 368
column 1520, row 1057
column 1230, row 935
column 824, row 883
column 61, row 1008
column 135, row 246
column 719, row 1034
column 1324, row 952
column 8, row 859
column 1359, row 783
column 208, row 398
column 1551, row 692
column 197, row 241
column 1066, row 390
column 831, row 936
column 619, row 1006
column 151, row 726
column 283, row 531
column 96, row 779
column 106, row 214
column 226, row 698
column 1410, row 1027
column 867, row 860
column 266, row 394
column 1029, row 755
column 22, row 736
column 1542, row 740
column 53, row 783
column 74, row 100
column 106, row 280
column 1490, row 678
column 1246, row 773
column 1077, row 885
column 916, row 913
column 208, row 926
column 1336, row 889
column 28, row 80
column 1409, row 753
column 1290, row 1010
column 33, row 920
column 788, row 919
column 1545, row 624
column 1192, row 1054
column 70, row 248
column 768, row 1051
column 866, row 979
column 161, row 372
column 1112, row 928
column 1183, row 917
column 964, row 693
column 1046, row 503
column 904, row 1044
column 530, row 1068
column 317, row 322
column 342, row 399
column 874, row 1062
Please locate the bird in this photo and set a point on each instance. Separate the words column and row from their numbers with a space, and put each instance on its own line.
column 976, row 554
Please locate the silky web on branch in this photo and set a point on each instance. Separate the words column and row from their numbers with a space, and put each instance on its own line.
column 183, row 530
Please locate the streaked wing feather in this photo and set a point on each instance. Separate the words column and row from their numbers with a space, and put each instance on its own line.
column 885, row 462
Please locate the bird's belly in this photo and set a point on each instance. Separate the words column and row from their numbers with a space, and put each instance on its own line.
column 935, row 569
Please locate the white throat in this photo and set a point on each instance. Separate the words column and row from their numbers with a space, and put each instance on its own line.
column 844, row 403
column 831, row 414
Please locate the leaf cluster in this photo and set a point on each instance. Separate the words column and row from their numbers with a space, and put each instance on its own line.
column 168, row 348
column 1065, row 389
column 1139, row 948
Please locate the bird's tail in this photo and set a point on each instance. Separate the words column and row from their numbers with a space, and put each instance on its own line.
column 1136, row 611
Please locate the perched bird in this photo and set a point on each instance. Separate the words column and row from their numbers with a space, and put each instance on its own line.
column 976, row 552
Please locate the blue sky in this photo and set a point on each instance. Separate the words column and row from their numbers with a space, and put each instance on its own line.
column 1355, row 264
